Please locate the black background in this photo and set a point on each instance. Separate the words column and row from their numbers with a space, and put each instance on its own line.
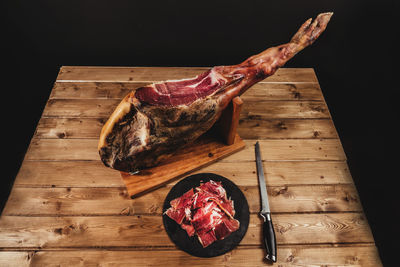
column 353, row 60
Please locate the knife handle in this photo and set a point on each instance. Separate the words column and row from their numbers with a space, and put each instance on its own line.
column 269, row 237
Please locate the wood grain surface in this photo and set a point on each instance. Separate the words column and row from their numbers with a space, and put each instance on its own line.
column 294, row 255
column 67, row 209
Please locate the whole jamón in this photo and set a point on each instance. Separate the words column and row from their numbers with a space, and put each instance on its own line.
column 154, row 121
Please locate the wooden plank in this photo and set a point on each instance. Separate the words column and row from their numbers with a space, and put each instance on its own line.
column 82, row 90
column 284, row 109
column 80, row 108
column 15, row 258
column 247, row 129
column 102, row 108
column 95, row 174
column 145, row 230
column 292, row 149
column 275, row 150
column 286, row 128
column 107, row 90
column 366, row 255
column 67, row 173
column 125, row 74
column 286, row 173
column 117, row 201
column 62, row 149
column 69, row 127
column 284, row 91
column 150, row 74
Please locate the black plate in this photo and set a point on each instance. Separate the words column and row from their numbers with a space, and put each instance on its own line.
column 192, row 245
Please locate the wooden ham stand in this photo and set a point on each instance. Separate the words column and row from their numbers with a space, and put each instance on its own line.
column 220, row 141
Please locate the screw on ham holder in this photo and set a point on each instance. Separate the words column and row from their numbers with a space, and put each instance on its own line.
column 220, row 141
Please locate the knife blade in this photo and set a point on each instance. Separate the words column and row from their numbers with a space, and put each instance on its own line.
column 268, row 228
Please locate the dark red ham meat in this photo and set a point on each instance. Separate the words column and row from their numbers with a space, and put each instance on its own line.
column 152, row 122
column 208, row 213
column 180, row 207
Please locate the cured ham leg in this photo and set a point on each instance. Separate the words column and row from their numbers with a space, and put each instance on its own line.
column 153, row 121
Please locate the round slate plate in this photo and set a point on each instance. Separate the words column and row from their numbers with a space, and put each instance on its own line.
column 192, row 245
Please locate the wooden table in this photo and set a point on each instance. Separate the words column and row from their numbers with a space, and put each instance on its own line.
column 66, row 208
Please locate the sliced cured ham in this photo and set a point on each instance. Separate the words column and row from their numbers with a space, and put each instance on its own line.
column 180, row 207
column 208, row 213
column 225, row 227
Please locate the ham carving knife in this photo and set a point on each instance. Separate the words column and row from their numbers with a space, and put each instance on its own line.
column 265, row 213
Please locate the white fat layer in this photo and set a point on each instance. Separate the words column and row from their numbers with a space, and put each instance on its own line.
column 213, row 75
column 215, row 216
column 141, row 132
column 179, row 80
column 220, row 189
column 188, row 212
column 209, row 75
column 195, row 199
